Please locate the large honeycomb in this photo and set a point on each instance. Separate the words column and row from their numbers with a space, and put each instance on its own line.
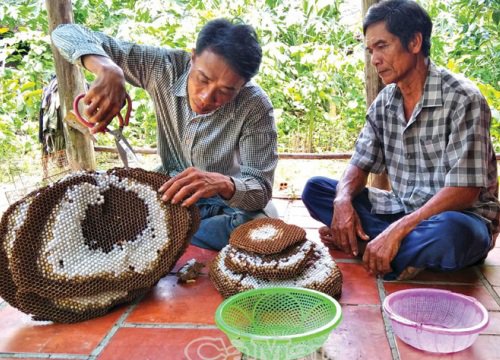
column 74, row 249
column 279, row 258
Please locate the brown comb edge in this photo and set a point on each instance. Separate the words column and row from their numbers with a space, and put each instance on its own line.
column 223, row 285
column 46, row 310
column 8, row 287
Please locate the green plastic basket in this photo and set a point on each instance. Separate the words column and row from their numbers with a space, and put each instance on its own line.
column 278, row 322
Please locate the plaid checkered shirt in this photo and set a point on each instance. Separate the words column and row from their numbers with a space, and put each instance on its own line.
column 239, row 139
column 446, row 142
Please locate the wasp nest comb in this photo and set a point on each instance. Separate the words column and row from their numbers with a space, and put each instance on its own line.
column 268, row 252
column 74, row 249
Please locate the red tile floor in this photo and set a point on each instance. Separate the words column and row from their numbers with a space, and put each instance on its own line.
column 176, row 321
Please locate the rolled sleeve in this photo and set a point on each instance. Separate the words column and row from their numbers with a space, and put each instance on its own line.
column 239, row 192
column 368, row 154
column 75, row 41
column 138, row 62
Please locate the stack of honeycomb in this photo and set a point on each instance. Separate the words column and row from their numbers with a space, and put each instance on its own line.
column 268, row 252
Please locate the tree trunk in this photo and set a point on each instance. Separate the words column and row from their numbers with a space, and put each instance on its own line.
column 71, row 82
column 373, row 87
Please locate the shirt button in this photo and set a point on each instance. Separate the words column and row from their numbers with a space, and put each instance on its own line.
column 411, row 182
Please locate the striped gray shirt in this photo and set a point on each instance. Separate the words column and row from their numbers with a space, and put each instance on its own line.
column 446, row 142
column 239, row 139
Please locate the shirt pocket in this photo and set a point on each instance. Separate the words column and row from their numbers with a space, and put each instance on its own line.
column 432, row 149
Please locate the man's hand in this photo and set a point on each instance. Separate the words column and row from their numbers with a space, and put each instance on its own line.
column 346, row 228
column 193, row 184
column 381, row 251
column 107, row 94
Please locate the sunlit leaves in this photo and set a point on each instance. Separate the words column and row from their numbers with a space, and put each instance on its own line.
column 312, row 67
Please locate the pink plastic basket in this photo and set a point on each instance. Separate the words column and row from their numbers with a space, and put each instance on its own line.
column 435, row 320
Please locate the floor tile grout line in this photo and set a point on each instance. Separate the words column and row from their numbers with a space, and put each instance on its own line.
column 487, row 285
column 28, row 355
column 348, row 261
column 359, row 305
column 435, row 282
column 118, row 324
column 391, row 338
column 187, row 326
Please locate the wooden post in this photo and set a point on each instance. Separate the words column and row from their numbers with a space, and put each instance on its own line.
column 71, row 82
column 373, row 85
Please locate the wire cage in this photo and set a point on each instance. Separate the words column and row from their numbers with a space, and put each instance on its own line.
column 25, row 175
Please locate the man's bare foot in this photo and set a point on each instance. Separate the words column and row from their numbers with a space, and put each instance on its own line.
column 409, row 273
column 326, row 237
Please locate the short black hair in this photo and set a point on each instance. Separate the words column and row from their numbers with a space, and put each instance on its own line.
column 403, row 18
column 237, row 43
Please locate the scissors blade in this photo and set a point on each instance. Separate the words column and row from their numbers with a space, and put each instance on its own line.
column 122, row 153
column 125, row 150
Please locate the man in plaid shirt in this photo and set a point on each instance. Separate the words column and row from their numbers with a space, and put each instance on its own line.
column 215, row 127
column 429, row 130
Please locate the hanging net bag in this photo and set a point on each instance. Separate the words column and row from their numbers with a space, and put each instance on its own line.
column 74, row 249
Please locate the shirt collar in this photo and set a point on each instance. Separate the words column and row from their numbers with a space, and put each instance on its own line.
column 433, row 89
column 432, row 95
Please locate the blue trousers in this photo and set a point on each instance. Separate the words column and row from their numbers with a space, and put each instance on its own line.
column 448, row 241
column 218, row 220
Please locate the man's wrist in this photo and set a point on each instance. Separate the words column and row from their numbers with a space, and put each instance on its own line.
column 230, row 188
column 98, row 64
column 339, row 200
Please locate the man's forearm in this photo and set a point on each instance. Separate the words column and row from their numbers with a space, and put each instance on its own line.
column 446, row 199
column 98, row 64
column 352, row 183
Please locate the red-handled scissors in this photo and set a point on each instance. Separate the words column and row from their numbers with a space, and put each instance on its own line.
column 125, row 150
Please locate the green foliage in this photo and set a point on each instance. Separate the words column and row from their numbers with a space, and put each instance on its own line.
column 313, row 76
column 466, row 41
column 313, row 66
column 25, row 65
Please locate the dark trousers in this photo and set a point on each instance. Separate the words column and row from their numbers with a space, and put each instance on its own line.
column 448, row 241
column 218, row 220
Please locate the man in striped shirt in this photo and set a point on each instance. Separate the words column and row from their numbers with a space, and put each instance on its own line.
column 429, row 130
column 215, row 127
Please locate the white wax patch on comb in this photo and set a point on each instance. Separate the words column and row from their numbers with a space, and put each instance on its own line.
column 266, row 232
